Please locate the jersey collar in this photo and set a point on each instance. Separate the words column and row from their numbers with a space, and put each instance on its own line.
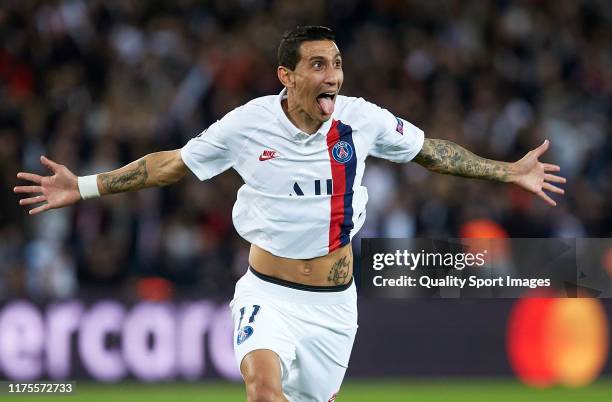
column 288, row 125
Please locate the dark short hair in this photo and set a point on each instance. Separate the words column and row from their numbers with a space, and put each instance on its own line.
column 289, row 48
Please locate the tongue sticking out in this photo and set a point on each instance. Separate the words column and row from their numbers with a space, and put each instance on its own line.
column 326, row 105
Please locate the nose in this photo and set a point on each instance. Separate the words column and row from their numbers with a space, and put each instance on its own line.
column 332, row 77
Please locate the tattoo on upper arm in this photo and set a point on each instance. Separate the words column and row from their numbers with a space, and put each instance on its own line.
column 132, row 179
column 339, row 272
column 446, row 157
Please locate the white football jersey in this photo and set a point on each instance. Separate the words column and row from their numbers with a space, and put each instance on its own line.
column 302, row 195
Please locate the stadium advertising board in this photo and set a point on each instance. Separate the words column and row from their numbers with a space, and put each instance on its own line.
column 109, row 341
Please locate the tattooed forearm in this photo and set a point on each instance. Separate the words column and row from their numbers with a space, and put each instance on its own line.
column 446, row 157
column 340, row 271
column 156, row 169
column 132, row 177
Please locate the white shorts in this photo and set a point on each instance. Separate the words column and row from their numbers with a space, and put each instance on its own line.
column 311, row 329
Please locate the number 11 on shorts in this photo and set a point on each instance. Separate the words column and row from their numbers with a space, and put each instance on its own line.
column 245, row 333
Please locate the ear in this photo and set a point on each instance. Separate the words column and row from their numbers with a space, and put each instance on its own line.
column 285, row 76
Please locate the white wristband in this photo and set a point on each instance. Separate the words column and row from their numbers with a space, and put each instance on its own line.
column 88, row 186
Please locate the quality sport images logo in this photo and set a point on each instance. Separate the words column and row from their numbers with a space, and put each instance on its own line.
column 342, row 152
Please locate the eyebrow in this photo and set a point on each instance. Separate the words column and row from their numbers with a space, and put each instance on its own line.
column 336, row 56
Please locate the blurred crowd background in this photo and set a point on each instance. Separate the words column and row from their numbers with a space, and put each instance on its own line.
column 96, row 84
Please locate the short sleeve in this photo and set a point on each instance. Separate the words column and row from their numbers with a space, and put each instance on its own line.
column 396, row 140
column 209, row 153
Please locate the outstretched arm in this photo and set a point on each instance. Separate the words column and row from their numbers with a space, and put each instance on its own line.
column 62, row 187
column 153, row 170
column 446, row 157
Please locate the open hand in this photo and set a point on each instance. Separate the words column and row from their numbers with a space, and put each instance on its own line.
column 535, row 176
column 56, row 191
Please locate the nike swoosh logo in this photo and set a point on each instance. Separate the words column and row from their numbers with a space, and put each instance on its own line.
column 267, row 155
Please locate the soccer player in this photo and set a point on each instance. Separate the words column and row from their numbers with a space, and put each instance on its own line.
column 301, row 154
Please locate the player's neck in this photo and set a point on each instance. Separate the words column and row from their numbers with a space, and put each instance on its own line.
column 299, row 117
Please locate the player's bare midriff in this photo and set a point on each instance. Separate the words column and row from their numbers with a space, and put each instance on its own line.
column 333, row 269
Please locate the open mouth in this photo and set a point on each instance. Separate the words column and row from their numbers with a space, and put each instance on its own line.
column 325, row 101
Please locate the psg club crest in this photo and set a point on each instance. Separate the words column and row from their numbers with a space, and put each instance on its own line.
column 400, row 126
column 244, row 333
column 342, row 152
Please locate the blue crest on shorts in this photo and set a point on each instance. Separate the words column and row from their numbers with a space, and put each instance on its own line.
column 342, row 152
column 400, row 126
column 244, row 333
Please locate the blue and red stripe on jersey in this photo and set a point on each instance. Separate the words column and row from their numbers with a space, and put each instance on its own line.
column 343, row 178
